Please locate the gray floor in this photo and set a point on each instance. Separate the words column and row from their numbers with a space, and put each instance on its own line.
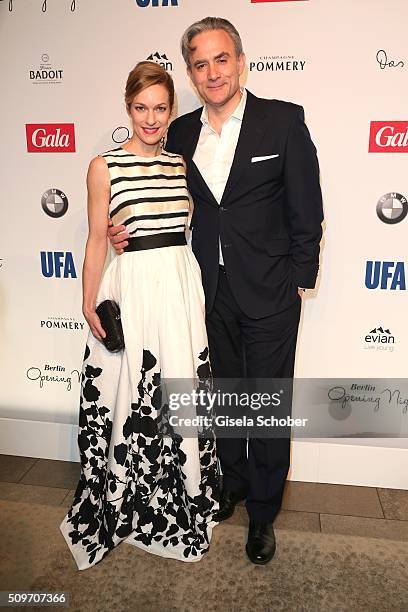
column 309, row 507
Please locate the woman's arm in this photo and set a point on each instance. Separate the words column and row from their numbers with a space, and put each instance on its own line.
column 190, row 212
column 98, row 184
column 191, row 203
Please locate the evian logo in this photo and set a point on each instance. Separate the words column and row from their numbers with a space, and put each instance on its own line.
column 388, row 137
column 378, row 337
column 50, row 137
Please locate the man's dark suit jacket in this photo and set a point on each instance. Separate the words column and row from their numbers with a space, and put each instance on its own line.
column 269, row 219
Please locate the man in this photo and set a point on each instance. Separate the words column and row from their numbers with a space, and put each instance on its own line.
column 254, row 177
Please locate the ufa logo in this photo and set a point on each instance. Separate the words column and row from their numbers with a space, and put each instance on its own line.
column 388, row 137
column 257, row 1
column 385, row 275
column 50, row 137
column 57, row 264
column 144, row 3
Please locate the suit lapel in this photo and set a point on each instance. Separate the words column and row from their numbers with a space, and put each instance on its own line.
column 193, row 174
column 191, row 136
column 250, row 135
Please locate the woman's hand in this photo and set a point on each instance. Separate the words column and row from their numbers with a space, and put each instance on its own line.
column 94, row 324
column 117, row 235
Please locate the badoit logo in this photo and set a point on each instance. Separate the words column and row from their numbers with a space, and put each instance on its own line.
column 45, row 73
column 388, row 137
column 50, row 137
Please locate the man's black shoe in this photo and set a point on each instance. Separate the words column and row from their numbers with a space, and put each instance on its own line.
column 229, row 500
column 261, row 543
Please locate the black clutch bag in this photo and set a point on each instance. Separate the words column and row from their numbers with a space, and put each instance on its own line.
column 109, row 315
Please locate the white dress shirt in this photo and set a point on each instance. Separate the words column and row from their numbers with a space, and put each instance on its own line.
column 215, row 152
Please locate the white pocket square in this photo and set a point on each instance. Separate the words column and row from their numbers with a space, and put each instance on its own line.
column 263, row 158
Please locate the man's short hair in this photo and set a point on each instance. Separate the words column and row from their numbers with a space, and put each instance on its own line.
column 206, row 25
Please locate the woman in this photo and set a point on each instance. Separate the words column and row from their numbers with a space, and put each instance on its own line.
column 154, row 491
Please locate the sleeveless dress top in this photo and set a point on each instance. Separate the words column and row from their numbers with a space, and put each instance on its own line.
column 148, row 195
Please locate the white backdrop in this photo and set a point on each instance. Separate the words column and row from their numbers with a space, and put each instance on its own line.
column 66, row 63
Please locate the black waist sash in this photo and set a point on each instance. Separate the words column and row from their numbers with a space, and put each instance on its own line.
column 156, row 241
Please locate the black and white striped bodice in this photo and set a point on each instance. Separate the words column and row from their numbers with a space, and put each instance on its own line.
column 148, row 194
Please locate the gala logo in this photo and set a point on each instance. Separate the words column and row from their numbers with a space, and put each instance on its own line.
column 50, row 137
column 388, row 137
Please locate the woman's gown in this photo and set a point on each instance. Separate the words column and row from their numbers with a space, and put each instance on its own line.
column 151, row 490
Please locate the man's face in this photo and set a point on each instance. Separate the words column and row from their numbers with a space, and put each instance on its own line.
column 214, row 67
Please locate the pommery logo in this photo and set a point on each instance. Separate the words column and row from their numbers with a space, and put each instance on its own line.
column 277, row 63
column 62, row 323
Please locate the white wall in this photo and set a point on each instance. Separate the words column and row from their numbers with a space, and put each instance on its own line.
column 342, row 87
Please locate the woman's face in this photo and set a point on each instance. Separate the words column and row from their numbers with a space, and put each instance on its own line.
column 150, row 113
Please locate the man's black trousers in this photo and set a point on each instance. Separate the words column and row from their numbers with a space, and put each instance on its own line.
column 254, row 348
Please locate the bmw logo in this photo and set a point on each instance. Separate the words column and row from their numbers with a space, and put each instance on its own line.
column 392, row 208
column 54, row 203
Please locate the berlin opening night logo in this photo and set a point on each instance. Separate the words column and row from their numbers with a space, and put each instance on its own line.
column 50, row 137
column 388, row 137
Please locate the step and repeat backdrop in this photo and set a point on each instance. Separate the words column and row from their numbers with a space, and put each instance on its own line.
column 64, row 67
